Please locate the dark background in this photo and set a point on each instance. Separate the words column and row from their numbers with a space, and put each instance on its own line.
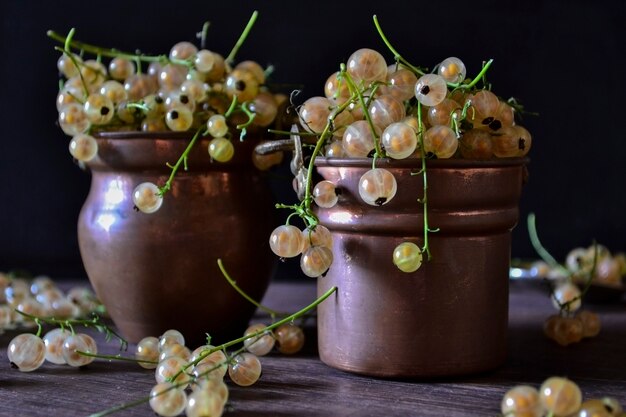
column 563, row 59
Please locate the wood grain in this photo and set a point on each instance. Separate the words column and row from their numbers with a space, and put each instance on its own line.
column 301, row 385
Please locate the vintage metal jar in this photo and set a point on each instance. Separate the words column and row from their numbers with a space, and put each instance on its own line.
column 158, row 271
column 450, row 316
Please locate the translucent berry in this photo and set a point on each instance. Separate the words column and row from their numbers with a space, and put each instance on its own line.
column 521, row 401
column 171, row 336
column 325, row 194
column 172, row 76
column 114, row 91
column 53, row 340
column 440, row 141
column 76, row 343
column 147, row 350
column 476, row 144
column 358, row 139
column 27, row 352
column 442, row 113
column 138, row 86
column 179, row 118
column 335, row 149
column 377, row 186
column 66, row 65
column 242, row 84
column 590, row 321
column 286, row 241
column 431, row 89
column 484, row 108
column 316, row 260
column 336, row 89
column 121, row 68
column 204, row 403
column 289, row 338
column 213, row 365
column 319, row 236
column 94, row 73
column 264, row 108
column 99, row 109
column 401, row 83
column 385, row 110
column 314, row 114
column 167, row 368
column 513, row 141
column 566, row 295
column 221, row 149
column 183, row 50
column 560, row 396
column 245, row 369
column 83, row 147
column 175, row 349
column 452, row 70
column 254, row 68
column 73, row 119
column 407, row 256
column 204, row 60
column 147, row 198
column 167, row 400
column 399, row 140
column 366, row 66
column 260, row 345
column 265, row 162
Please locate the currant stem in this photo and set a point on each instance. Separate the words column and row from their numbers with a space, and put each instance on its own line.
column 182, row 159
column 476, row 79
column 95, row 322
column 115, row 357
column 233, row 284
column 353, row 88
column 539, row 248
column 111, row 52
column 424, row 201
column 397, row 56
column 231, row 57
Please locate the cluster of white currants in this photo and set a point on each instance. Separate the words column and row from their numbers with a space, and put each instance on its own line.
column 314, row 244
column 371, row 109
column 592, row 265
column 190, row 89
column 202, row 370
column 28, row 352
column 41, row 298
column 557, row 397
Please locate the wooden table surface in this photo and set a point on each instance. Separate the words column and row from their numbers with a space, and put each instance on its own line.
column 301, row 385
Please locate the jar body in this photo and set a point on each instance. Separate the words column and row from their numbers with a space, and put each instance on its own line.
column 159, row 271
column 450, row 316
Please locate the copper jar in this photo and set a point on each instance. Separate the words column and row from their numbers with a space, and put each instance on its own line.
column 450, row 316
column 158, row 271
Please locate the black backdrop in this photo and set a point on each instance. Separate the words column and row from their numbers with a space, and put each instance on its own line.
column 564, row 59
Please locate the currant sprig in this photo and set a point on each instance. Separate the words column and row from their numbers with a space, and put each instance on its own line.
column 96, row 322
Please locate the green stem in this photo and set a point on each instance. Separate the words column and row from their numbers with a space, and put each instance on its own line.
column 264, row 330
column 181, row 160
column 110, row 52
column 231, row 57
column 424, row 201
column 476, row 79
column 539, row 248
column 353, row 88
column 203, row 34
column 233, row 284
column 397, row 56
column 223, row 347
column 95, row 323
column 115, row 357
column 231, row 108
